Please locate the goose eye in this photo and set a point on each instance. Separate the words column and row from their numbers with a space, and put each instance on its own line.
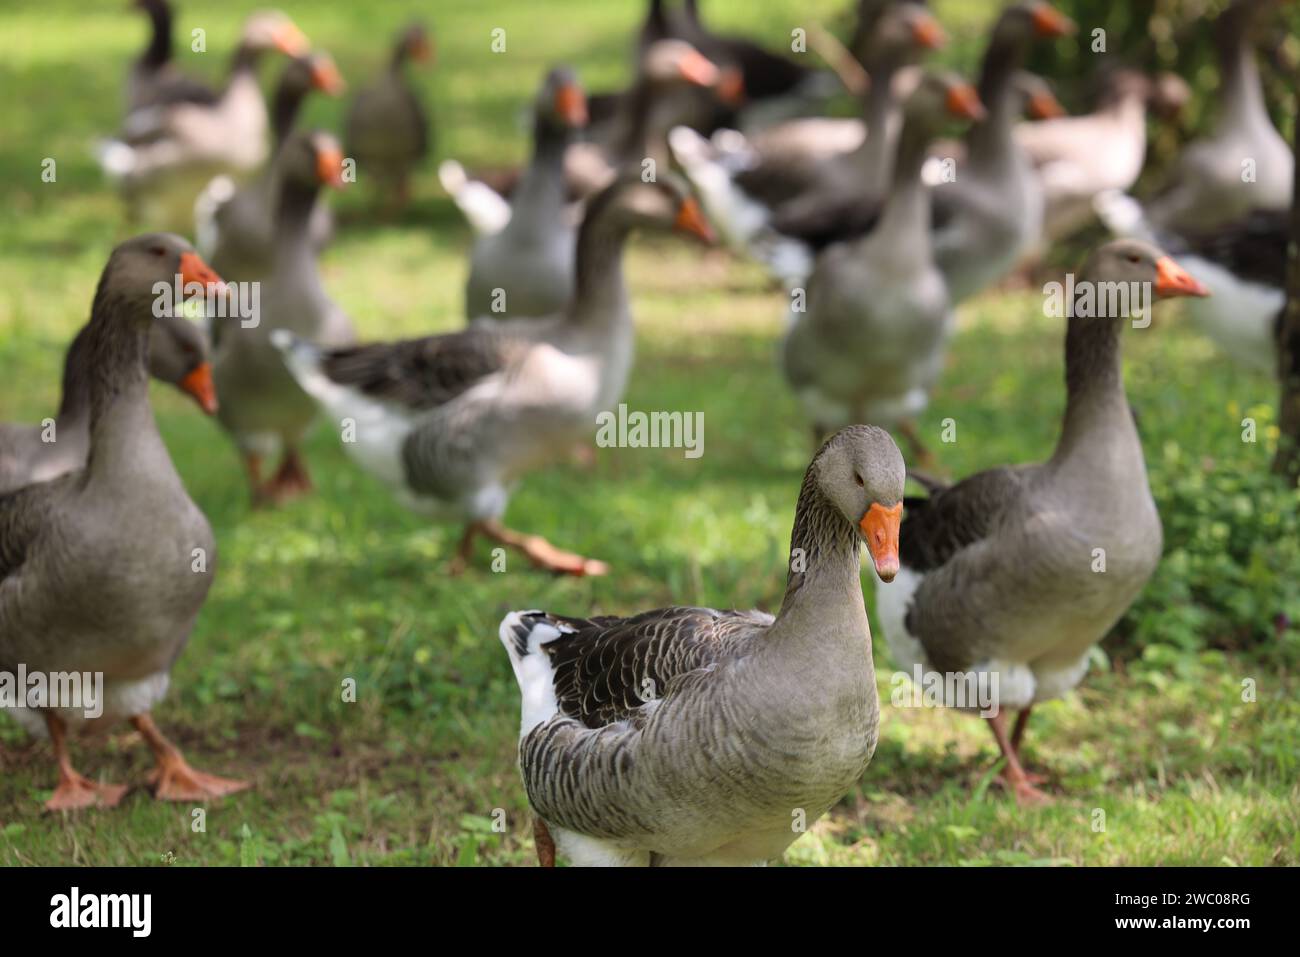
column 1134, row 259
column 858, row 478
column 158, row 250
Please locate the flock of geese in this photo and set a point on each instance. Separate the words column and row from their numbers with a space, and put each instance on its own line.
column 681, row 735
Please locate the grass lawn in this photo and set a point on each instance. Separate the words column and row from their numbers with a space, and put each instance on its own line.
column 346, row 584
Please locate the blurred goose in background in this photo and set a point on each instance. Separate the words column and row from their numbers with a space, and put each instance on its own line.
column 236, row 224
column 868, row 343
column 990, row 215
column 745, row 184
column 675, row 84
column 686, row 736
column 171, row 147
column 261, row 405
column 126, row 511
column 1209, row 185
column 178, row 355
column 1000, row 575
column 1077, row 157
column 387, row 127
column 530, row 261
column 451, row 422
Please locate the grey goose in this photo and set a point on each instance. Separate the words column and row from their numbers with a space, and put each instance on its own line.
column 451, row 422
column 693, row 736
column 105, row 569
column 1013, row 574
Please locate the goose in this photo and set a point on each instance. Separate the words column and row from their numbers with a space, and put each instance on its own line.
column 154, row 69
column 530, row 261
column 744, row 183
column 178, row 355
column 1012, row 575
column 450, row 422
column 262, row 407
column 1209, row 184
column 169, row 150
column 690, row 736
column 867, row 342
column 105, row 569
column 236, row 223
column 387, row 127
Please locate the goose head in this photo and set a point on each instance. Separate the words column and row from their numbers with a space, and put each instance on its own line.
column 311, row 159
column 413, row 43
column 903, row 34
column 1132, row 260
column 675, row 65
column 860, row 471
column 1040, row 102
column 269, row 30
column 178, row 355
column 562, row 103
column 1033, row 19
column 940, row 97
column 140, row 267
column 315, row 71
column 661, row 204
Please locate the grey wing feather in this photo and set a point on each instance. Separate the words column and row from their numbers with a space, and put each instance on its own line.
column 953, row 518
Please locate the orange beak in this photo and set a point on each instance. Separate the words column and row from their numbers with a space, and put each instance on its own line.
column 289, row 40
column 1173, row 280
column 198, row 385
column 696, row 68
column 964, row 103
column 1044, row 106
column 880, row 529
column 731, row 87
column 691, row 220
column 195, row 270
column 329, row 166
column 325, row 76
column 571, row 105
column 928, row 34
column 1050, row 22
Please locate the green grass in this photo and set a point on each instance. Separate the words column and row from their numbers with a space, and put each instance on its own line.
column 347, row 584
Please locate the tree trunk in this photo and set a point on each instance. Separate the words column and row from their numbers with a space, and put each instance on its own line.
column 1287, row 461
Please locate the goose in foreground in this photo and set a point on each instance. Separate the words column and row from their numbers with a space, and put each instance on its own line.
column 530, row 261
column 236, row 224
column 1209, row 185
column 691, row 736
column 105, row 569
column 868, row 342
column 1012, row 575
column 178, row 355
column 262, row 406
column 170, row 149
column 451, row 422
column 387, row 127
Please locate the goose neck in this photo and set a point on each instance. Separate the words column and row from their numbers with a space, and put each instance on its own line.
column 600, row 293
column 113, row 364
column 825, row 564
column 159, row 50
column 286, row 106
column 1096, row 407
